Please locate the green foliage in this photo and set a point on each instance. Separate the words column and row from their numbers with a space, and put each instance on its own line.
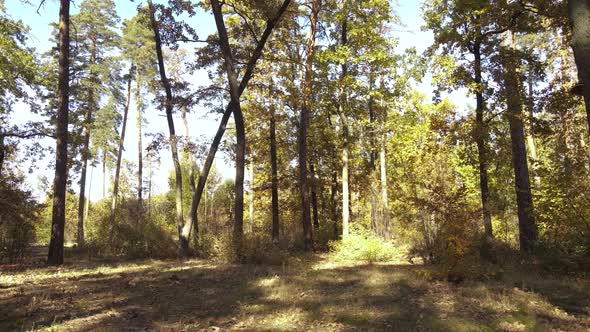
column 362, row 245
column 19, row 212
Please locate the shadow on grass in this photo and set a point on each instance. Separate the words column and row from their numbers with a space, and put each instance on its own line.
column 304, row 295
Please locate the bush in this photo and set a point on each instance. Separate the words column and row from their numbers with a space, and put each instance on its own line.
column 18, row 214
column 362, row 245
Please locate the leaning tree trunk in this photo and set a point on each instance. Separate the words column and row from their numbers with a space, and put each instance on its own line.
column 170, row 120
column 120, row 152
column 579, row 16
column 526, row 217
column 58, row 216
column 481, row 140
column 256, row 54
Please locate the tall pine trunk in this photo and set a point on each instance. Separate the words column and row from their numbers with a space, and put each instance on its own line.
column 120, row 151
column 481, row 140
column 169, row 108
column 526, row 217
column 58, row 216
column 138, row 105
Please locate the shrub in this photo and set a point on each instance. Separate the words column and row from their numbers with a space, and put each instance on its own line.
column 18, row 214
column 362, row 245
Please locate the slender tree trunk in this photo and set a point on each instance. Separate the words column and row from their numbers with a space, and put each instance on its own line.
column 169, row 108
column 524, row 199
column 85, row 156
column 119, row 152
column 345, row 138
column 139, row 125
column 373, row 192
column 191, row 161
column 481, row 137
column 2, row 153
column 303, row 126
column 579, row 16
column 314, row 198
column 234, row 89
column 251, row 199
column 256, row 54
column 86, row 148
column 274, row 178
column 104, row 173
column 87, row 208
column 383, row 176
column 334, row 202
column 58, row 217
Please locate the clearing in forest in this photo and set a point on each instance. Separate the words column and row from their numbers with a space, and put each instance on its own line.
column 307, row 293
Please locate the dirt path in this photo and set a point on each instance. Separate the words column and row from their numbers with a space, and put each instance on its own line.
column 306, row 294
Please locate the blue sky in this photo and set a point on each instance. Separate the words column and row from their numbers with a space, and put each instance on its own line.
column 409, row 35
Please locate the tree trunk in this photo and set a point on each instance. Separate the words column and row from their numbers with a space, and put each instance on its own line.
column 274, row 178
column 191, row 161
column 58, row 217
column 251, row 199
column 314, row 198
column 120, row 152
column 87, row 207
column 334, row 202
column 345, row 138
column 139, row 149
column 383, row 178
column 579, row 16
column 481, row 137
column 2, row 153
column 234, row 89
column 169, row 107
column 85, row 156
column 104, row 173
column 524, row 199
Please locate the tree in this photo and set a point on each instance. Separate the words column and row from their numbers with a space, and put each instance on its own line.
column 95, row 37
column 56, row 245
column 248, row 71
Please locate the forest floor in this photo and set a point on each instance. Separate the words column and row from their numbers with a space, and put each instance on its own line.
column 313, row 292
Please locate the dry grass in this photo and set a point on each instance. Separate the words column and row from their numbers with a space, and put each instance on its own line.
column 308, row 293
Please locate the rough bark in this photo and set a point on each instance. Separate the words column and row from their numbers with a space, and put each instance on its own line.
column 120, row 150
column 526, row 218
column 191, row 161
column 579, row 16
column 169, row 108
column 481, row 141
column 58, row 216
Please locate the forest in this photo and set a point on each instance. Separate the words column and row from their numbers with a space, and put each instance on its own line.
column 295, row 165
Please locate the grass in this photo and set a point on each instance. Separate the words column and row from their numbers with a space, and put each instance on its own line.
column 314, row 292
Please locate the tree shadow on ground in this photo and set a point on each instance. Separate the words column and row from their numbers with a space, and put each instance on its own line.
column 306, row 294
